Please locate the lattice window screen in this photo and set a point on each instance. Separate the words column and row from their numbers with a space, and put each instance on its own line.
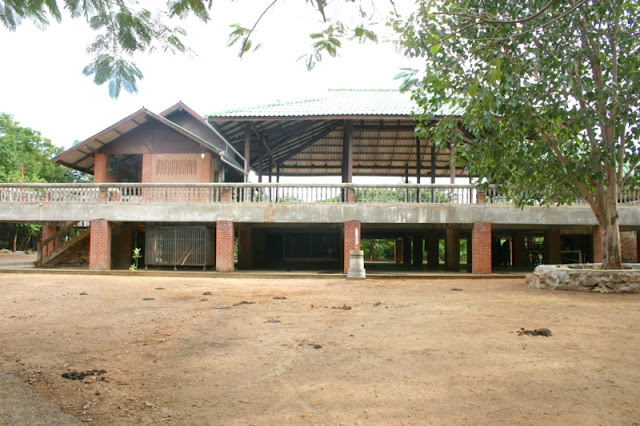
column 176, row 167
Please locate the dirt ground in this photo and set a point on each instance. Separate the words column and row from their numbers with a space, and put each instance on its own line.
column 321, row 351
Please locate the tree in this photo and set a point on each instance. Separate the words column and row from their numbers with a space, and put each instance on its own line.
column 546, row 94
column 25, row 156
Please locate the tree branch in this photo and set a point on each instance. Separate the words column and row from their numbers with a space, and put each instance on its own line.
column 255, row 24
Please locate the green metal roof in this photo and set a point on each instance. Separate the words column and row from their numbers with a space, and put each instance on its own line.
column 338, row 102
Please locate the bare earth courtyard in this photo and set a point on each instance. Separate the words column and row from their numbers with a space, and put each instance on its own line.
column 321, row 351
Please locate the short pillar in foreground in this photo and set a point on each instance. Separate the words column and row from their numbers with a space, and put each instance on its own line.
column 481, row 247
column 356, row 265
column 225, row 241
column 100, row 245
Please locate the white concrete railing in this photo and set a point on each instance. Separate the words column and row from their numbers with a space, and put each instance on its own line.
column 255, row 193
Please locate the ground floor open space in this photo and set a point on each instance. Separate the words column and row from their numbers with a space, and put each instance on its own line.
column 184, row 350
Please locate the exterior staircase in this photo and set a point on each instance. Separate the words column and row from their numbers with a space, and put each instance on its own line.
column 66, row 237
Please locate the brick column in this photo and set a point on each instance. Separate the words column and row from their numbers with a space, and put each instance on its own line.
column 481, row 251
column 45, row 250
column 452, row 262
column 100, row 168
column 350, row 227
column 225, row 242
column 552, row 247
column 245, row 247
column 597, row 244
column 100, row 245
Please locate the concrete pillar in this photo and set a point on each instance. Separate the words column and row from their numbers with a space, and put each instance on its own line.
column 417, row 251
column 406, row 250
column 398, row 250
column 225, row 242
column 597, row 244
column 638, row 246
column 452, row 262
column 100, row 245
column 433, row 250
column 519, row 250
column 481, row 240
column 351, row 242
column 245, row 247
column 552, row 247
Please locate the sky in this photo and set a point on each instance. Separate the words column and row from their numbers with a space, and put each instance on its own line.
column 43, row 86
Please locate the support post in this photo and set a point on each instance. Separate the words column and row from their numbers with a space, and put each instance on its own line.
column 452, row 263
column 519, row 253
column 398, row 250
column 552, row 246
column 597, row 244
column 225, row 242
column 100, row 245
column 433, row 251
column 406, row 250
column 247, row 153
column 481, row 248
column 418, row 255
column 245, row 247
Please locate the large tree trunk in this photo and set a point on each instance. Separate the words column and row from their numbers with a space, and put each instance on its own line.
column 611, row 250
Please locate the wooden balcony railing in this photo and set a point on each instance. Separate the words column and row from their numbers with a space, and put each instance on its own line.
column 256, row 193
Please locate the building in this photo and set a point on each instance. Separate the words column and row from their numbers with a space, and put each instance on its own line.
column 175, row 185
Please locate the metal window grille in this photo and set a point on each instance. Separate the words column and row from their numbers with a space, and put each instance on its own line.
column 180, row 246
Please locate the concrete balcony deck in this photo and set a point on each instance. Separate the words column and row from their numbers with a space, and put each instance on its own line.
column 287, row 203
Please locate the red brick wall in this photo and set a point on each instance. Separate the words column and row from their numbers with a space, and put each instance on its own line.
column 597, row 245
column 47, row 231
column 100, row 168
column 224, row 246
column 481, row 243
column 350, row 227
column 206, row 169
column 629, row 244
column 146, row 168
column 100, row 245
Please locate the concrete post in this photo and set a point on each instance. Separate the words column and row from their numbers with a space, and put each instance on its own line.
column 481, row 241
column 225, row 242
column 100, row 245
